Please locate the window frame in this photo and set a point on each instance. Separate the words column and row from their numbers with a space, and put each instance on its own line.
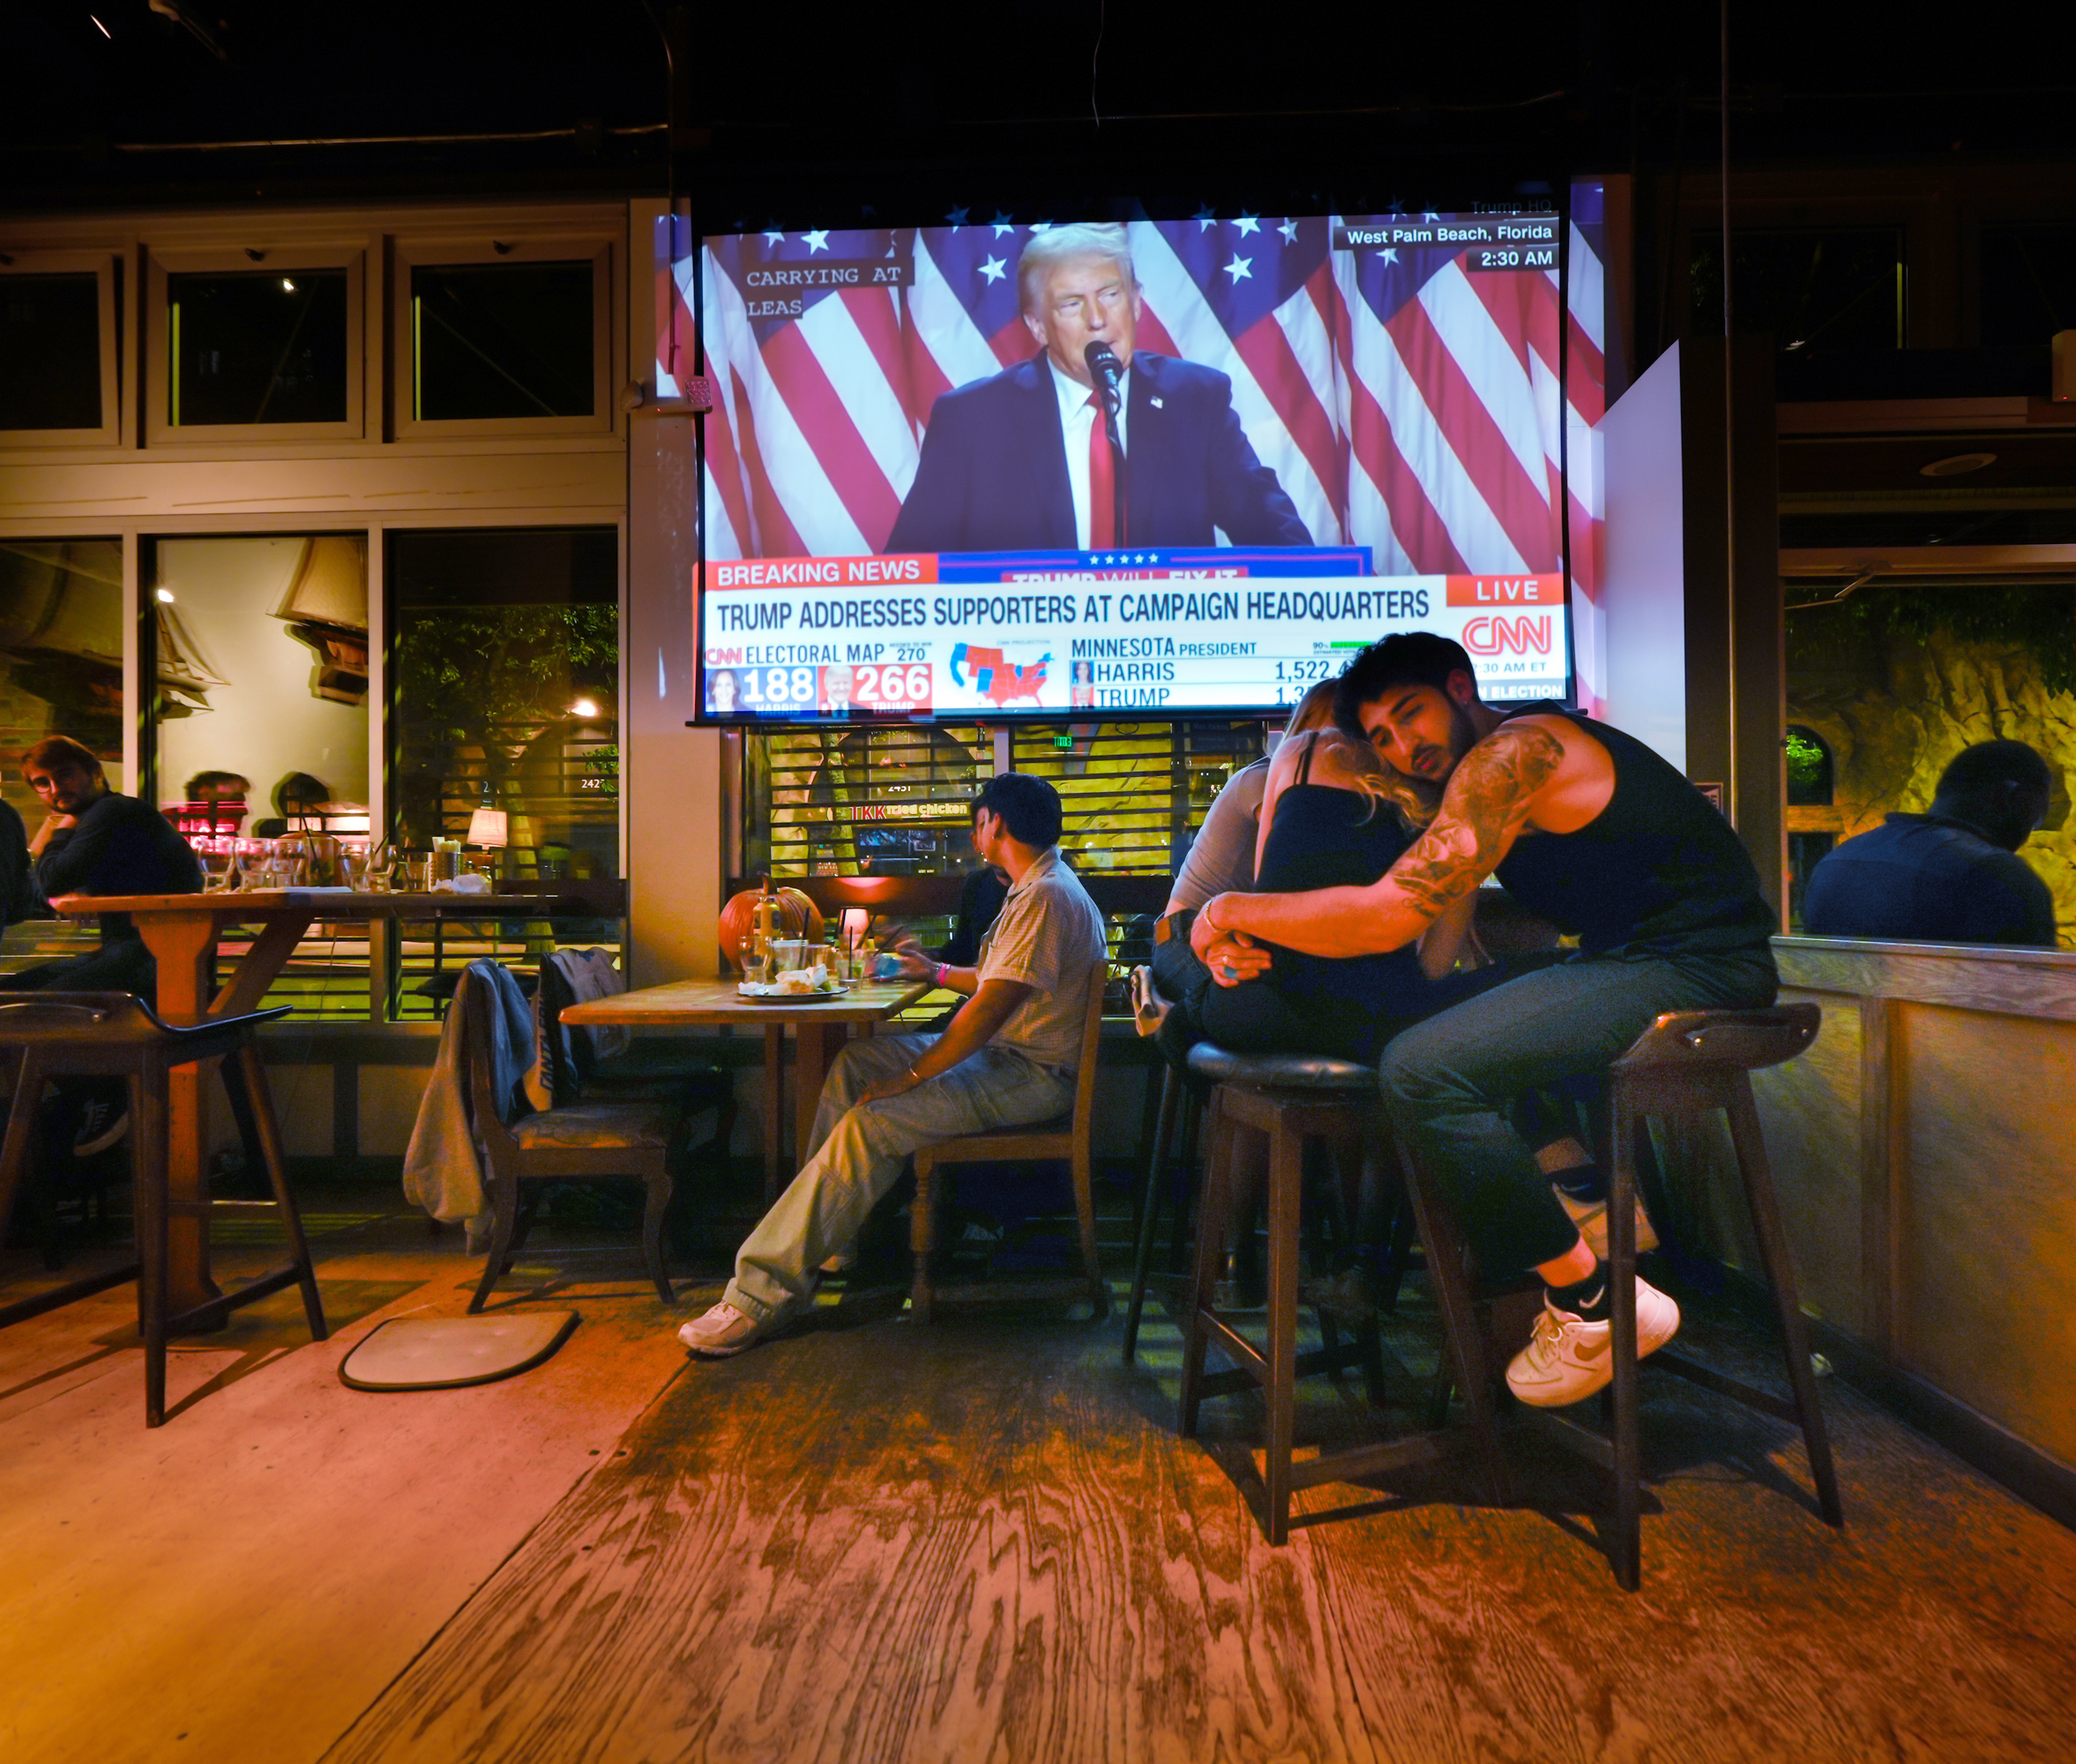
column 464, row 251
column 160, row 429
column 104, row 265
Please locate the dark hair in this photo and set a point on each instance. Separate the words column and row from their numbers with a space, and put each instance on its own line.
column 299, row 791
column 216, row 781
column 1406, row 658
column 2002, row 787
column 55, row 751
column 1029, row 807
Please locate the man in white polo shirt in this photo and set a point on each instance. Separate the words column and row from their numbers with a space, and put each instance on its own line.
column 1007, row 1058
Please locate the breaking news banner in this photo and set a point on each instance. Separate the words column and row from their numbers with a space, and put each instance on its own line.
column 1151, row 632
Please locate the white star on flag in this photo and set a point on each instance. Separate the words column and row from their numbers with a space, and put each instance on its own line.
column 817, row 240
column 1288, row 229
column 957, row 217
column 773, row 237
column 1239, row 269
column 1248, row 223
column 1204, row 218
column 1038, row 227
column 993, row 268
column 1390, row 254
column 1002, row 223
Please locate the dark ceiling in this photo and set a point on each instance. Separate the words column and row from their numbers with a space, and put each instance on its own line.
column 901, row 106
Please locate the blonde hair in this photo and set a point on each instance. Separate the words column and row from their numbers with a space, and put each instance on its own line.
column 1415, row 801
column 1080, row 239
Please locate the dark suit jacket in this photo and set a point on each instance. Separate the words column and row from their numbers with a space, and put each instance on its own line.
column 993, row 475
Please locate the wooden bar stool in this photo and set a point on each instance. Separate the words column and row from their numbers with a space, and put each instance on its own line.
column 114, row 1034
column 1290, row 1100
column 1686, row 1062
column 1182, row 1096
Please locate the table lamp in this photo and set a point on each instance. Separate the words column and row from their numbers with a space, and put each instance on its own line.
column 487, row 829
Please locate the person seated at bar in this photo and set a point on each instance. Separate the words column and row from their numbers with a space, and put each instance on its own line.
column 1587, row 826
column 1220, row 858
column 1008, row 1059
column 97, row 841
column 1951, row 875
column 295, row 797
column 224, row 793
column 18, row 887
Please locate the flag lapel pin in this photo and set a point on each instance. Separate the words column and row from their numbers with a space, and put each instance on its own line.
column 1154, row 402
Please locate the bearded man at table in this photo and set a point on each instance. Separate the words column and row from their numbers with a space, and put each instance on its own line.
column 97, row 841
column 1006, row 1059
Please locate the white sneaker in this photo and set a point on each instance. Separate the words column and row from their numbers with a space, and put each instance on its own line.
column 1591, row 1218
column 722, row 1331
column 1568, row 1359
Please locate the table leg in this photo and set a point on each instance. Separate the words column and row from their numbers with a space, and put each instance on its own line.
column 814, row 1052
column 182, row 943
column 774, row 1108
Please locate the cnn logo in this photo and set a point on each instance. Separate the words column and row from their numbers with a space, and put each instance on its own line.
column 1497, row 634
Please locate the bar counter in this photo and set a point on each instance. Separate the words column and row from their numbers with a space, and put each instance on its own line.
column 1923, row 1148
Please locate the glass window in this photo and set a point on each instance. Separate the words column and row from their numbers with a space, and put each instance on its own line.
column 502, row 340
column 1886, row 686
column 1830, row 288
column 505, row 685
column 2028, row 285
column 257, row 659
column 61, row 654
column 252, row 347
column 50, row 351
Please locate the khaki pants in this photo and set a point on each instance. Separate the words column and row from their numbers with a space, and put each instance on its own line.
column 859, row 1149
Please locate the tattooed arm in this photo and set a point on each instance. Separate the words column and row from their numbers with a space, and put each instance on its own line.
column 1489, row 801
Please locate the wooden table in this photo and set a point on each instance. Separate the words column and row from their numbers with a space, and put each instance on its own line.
column 181, row 931
column 819, row 1026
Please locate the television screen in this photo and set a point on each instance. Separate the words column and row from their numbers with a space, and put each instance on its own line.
column 1156, row 468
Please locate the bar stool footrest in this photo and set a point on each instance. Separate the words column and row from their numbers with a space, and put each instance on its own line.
column 1576, row 1436
column 204, row 1316
column 1782, row 1407
column 1353, row 1463
column 58, row 1296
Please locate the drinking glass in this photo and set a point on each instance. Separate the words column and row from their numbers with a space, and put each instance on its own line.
column 220, row 864
column 352, row 867
column 415, row 869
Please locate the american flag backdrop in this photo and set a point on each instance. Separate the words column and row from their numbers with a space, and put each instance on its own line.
column 1406, row 402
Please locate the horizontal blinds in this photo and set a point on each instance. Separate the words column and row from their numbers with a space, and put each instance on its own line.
column 897, row 800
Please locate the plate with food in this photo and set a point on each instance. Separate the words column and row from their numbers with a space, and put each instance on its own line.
column 777, row 992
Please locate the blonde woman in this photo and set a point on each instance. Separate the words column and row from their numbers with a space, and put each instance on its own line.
column 1334, row 815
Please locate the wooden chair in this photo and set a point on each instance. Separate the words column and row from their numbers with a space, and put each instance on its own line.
column 1069, row 1138
column 114, row 1034
column 590, row 1141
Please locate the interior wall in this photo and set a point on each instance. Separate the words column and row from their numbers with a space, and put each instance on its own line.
column 266, row 723
column 1643, row 604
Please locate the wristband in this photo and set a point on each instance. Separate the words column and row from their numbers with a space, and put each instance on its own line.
column 943, row 970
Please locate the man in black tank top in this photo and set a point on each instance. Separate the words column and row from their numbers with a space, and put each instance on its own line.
column 1591, row 829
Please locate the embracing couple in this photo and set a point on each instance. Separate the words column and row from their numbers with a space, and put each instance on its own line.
column 1385, row 807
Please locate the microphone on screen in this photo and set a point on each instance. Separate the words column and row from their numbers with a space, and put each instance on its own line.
column 1108, row 372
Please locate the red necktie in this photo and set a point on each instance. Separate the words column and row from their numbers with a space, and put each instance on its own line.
column 1102, row 482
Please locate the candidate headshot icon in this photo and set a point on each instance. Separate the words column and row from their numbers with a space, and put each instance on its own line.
column 1081, row 685
column 838, row 683
column 723, row 691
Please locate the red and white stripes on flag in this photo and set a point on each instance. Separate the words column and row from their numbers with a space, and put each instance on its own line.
column 1412, row 406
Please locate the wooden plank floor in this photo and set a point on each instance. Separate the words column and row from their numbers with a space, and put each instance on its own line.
column 241, row 1583
column 982, row 1542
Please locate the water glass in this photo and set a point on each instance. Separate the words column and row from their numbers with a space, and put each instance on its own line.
column 352, row 867
column 415, row 868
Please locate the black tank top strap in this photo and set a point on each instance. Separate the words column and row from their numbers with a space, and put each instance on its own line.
column 1311, row 738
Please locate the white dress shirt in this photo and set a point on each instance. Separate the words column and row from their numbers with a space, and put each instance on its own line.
column 1078, row 416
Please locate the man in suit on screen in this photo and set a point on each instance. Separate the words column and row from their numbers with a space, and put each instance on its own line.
column 1022, row 461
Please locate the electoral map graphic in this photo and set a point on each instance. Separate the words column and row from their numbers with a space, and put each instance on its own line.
column 994, row 677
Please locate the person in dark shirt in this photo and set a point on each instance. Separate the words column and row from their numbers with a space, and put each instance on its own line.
column 17, row 892
column 1952, row 875
column 98, row 842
